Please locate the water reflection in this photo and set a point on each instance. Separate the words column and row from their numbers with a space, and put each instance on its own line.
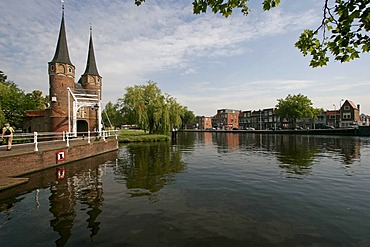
column 82, row 184
column 209, row 189
column 148, row 167
column 296, row 153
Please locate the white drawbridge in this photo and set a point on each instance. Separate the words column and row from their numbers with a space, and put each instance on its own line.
column 81, row 100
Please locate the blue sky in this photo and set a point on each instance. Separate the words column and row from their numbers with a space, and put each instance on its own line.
column 205, row 61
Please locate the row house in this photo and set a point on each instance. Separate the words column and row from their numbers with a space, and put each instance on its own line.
column 202, row 122
column 226, row 119
column 261, row 119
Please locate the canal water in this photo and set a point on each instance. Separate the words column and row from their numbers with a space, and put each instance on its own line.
column 207, row 189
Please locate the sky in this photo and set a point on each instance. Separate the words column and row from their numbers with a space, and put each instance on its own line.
column 207, row 62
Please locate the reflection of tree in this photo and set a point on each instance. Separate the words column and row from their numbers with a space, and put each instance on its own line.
column 150, row 166
column 296, row 153
column 187, row 139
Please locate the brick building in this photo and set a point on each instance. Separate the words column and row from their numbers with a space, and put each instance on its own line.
column 227, row 119
column 74, row 106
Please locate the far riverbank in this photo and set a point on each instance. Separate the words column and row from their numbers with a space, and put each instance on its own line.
column 361, row 131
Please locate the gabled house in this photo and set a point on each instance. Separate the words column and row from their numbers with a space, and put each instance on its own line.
column 349, row 114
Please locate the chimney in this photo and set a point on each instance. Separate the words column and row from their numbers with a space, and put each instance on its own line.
column 358, row 107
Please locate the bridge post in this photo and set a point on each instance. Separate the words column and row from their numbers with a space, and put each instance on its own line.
column 35, row 141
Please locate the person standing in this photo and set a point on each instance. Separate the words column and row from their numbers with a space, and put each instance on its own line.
column 8, row 134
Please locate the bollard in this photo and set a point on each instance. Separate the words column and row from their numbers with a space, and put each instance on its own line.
column 67, row 139
column 88, row 136
column 35, row 141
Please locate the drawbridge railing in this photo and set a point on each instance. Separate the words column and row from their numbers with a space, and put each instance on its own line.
column 43, row 137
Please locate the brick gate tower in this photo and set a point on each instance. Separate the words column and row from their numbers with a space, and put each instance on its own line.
column 61, row 76
column 91, row 82
column 74, row 107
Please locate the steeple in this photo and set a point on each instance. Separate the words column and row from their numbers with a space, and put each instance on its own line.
column 91, row 68
column 61, row 52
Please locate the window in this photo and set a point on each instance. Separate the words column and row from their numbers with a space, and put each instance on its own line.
column 346, row 115
column 52, row 67
column 346, row 107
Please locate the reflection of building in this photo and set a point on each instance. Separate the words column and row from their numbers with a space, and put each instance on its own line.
column 77, row 108
column 227, row 119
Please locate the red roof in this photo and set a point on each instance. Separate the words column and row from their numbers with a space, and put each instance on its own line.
column 35, row 113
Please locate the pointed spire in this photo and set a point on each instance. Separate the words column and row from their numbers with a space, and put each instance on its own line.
column 61, row 52
column 91, row 68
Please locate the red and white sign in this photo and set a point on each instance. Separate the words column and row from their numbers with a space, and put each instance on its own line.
column 61, row 172
column 61, row 156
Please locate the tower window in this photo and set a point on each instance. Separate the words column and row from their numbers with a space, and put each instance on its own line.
column 52, row 68
column 70, row 70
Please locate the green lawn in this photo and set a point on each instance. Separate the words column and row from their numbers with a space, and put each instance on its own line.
column 140, row 136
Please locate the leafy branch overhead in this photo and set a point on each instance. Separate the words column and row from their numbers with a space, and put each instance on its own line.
column 342, row 34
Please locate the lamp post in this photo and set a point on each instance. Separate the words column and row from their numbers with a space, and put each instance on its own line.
column 335, row 116
column 260, row 120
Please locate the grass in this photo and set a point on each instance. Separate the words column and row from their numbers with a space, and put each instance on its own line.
column 140, row 136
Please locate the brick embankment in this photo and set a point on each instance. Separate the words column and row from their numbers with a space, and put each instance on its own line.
column 22, row 159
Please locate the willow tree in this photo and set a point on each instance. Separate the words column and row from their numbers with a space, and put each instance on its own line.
column 153, row 111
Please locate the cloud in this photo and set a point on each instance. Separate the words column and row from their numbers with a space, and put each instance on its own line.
column 202, row 59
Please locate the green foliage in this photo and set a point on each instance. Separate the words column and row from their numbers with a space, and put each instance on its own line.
column 14, row 101
column 146, row 106
column 343, row 32
column 224, row 7
column 294, row 107
column 111, row 115
column 140, row 136
column 187, row 117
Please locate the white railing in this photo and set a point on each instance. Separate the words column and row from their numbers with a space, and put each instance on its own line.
column 38, row 137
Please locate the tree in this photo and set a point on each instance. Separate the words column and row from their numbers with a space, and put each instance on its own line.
column 14, row 102
column 111, row 115
column 146, row 106
column 343, row 31
column 295, row 107
column 187, row 117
